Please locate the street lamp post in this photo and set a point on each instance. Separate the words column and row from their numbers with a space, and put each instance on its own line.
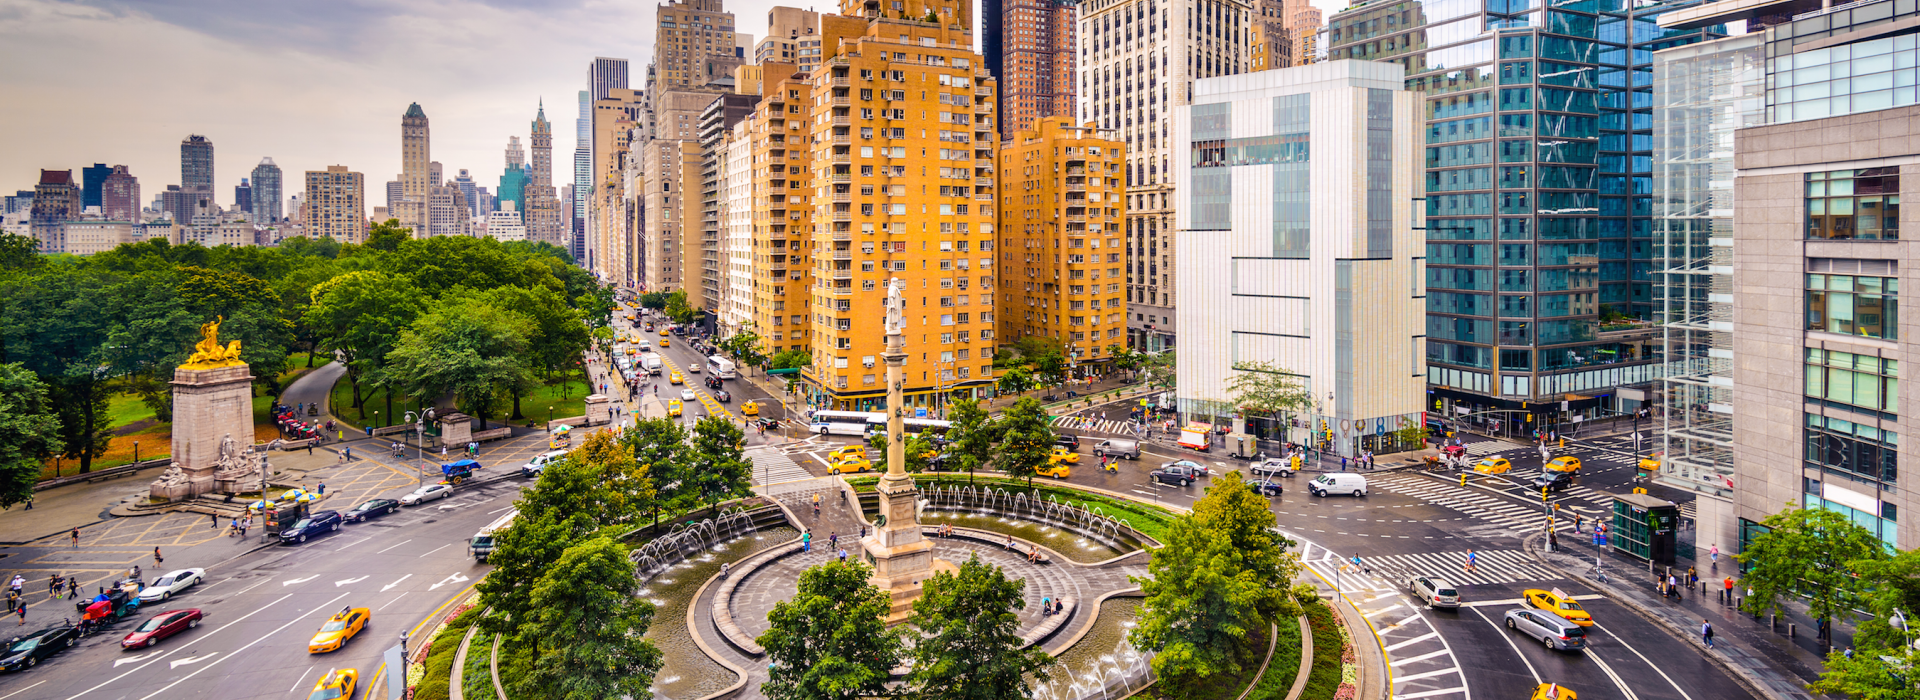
column 419, row 442
column 136, row 452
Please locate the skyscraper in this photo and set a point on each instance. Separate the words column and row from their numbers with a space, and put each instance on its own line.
column 243, row 196
column 120, row 196
column 336, row 204
column 92, row 178
column 1030, row 46
column 1142, row 58
column 56, row 200
column 196, row 164
column 582, row 175
column 695, row 45
column 416, row 172
column 543, row 204
column 1304, row 25
column 604, row 75
column 267, row 194
column 468, row 190
column 513, row 179
column 793, row 36
column 1060, row 243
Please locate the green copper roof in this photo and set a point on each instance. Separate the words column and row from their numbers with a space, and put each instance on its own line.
column 413, row 110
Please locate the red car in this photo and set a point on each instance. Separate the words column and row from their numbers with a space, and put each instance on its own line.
column 160, row 627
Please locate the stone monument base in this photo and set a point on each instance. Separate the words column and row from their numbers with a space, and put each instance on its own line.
column 901, row 594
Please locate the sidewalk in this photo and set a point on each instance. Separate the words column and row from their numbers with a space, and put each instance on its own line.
column 1765, row 661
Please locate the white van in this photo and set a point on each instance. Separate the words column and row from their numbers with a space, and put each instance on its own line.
column 1344, row 484
column 539, row 463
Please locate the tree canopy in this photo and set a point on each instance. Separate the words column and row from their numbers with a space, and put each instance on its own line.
column 971, row 648
column 831, row 641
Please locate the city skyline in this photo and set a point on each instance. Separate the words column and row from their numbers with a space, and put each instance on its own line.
column 477, row 93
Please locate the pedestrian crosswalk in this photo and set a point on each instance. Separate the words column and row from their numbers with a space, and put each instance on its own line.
column 1485, row 507
column 1101, row 425
column 1487, row 448
column 1424, row 665
column 773, row 466
column 1491, row 566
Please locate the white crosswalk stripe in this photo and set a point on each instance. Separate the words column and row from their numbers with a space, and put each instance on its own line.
column 1487, row 448
column 1098, row 425
column 1424, row 665
column 1480, row 505
column 771, row 466
column 1490, row 566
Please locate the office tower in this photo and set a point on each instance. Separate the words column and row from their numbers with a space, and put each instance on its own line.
column 782, row 244
column 543, row 204
column 1308, row 255
column 92, row 179
column 670, row 168
column 56, row 200
column 1142, row 57
column 605, row 75
column 1272, row 35
column 582, row 173
column 1029, row 46
column 196, row 165
column 736, row 228
column 447, row 212
column 1533, row 306
column 20, row 200
column 694, row 45
column 336, row 205
column 1060, row 242
column 267, row 192
column 793, row 36
column 243, row 196
column 120, row 196
column 714, row 124
column 1304, row 26
column 615, row 119
column 468, row 191
column 416, row 172
column 513, row 179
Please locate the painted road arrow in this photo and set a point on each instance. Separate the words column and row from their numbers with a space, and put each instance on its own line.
column 177, row 663
column 337, row 584
column 137, row 659
column 455, row 578
column 396, row 582
column 299, row 580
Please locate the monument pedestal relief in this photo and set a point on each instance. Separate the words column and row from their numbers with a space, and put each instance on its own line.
column 212, row 420
column 902, row 557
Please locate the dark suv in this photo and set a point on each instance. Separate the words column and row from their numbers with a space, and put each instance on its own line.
column 1177, row 474
column 1553, row 481
column 311, row 526
column 1067, row 440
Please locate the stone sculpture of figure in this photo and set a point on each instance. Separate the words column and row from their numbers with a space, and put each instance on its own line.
column 174, row 476
column 896, row 307
column 208, row 353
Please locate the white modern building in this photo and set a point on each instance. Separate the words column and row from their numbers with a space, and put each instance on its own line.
column 506, row 224
column 1297, row 246
column 736, row 229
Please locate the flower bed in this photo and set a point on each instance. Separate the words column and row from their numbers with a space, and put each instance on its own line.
column 1285, row 665
column 431, row 668
column 1330, row 649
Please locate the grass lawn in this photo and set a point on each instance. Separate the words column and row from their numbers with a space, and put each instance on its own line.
column 567, row 400
column 133, row 422
column 297, row 365
column 1324, row 680
column 1274, row 684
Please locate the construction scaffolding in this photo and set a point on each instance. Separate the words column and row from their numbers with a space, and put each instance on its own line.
column 1709, row 90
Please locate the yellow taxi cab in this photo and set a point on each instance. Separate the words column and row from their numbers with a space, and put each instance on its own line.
column 1057, row 470
column 1552, row 691
column 850, row 464
column 845, row 451
column 1649, row 464
column 336, row 685
column 665, row 341
column 1567, row 463
column 1493, row 465
column 675, row 378
column 749, row 409
column 1552, row 602
column 673, row 408
column 1062, row 454
column 338, row 629
column 663, row 332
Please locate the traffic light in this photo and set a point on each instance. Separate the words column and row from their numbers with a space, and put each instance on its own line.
column 1529, row 418
column 1543, row 494
column 1463, row 480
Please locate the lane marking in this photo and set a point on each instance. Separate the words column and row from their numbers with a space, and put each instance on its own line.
column 137, row 659
column 396, row 599
column 1597, row 661
column 344, row 547
column 1508, row 637
column 299, row 580
column 1418, row 676
column 1383, row 610
column 1521, row 601
column 262, row 582
column 491, row 512
column 1422, row 657
column 396, row 582
column 436, row 549
column 396, row 544
column 22, row 690
column 170, row 651
column 177, row 663
column 1430, row 693
column 337, row 584
column 1650, row 664
column 303, row 679
column 1406, row 642
column 456, row 577
column 323, row 606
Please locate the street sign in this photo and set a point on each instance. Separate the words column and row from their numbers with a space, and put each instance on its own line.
column 396, row 658
column 920, row 412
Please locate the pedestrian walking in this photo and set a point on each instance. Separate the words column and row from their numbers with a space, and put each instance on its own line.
column 1706, row 632
column 13, row 601
column 1472, row 561
column 347, row 453
column 309, row 447
column 806, row 542
column 1343, row 462
column 1713, row 553
column 23, row 614
column 213, row 520
column 323, row 488
column 1726, row 595
column 843, row 555
column 157, row 561
column 833, row 539
column 53, row 585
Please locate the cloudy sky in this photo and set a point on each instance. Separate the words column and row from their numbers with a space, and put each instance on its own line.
column 310, row 83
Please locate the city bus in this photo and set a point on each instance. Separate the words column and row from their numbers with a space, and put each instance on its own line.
column 845, row 422
column 721, row 367
column 482, row 543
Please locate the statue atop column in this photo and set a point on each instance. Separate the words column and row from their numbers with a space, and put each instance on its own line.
column 896, row 308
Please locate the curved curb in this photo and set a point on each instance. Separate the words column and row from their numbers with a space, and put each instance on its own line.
column 456, row 679
column 740, row 674
column 722, row 609
column 1150, row 542
column 493, row 665
column 1273, row 644
column 1093, row 617
column 1739, row 674
column 1306, row 660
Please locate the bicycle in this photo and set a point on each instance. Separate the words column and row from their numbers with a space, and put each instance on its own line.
column 1599, row 574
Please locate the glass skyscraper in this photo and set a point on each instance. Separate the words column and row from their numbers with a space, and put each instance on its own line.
column 1537, row 195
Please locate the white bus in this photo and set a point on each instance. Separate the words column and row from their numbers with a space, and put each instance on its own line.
column 482, row 543
column 845, row 422
column 721, row 367
column 914, row 426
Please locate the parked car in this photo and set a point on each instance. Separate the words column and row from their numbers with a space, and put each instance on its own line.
column 173, row 583
column 428, row 492
column 313, row 525
column 1435, row 592
column 1325, row 484
column 1272, row 466
column 372, row 509
column 1557, row 633
column 28, row 651
column 1177, row 473
column 1117, row 448
column 160, row 627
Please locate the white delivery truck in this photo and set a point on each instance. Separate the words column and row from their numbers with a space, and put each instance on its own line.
column 651, row 363
column 482, row 543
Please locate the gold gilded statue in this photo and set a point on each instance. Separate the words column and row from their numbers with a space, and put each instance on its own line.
column 208, row 353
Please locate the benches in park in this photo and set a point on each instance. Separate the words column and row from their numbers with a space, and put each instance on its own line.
column 1050, row 623
column 494, row 434
column 393, row 429
column 1024, row 549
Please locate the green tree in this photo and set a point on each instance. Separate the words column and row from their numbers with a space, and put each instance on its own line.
column 1015, row 380
column 831, row 641
column 19, row 252
column 29, row 430
column 387, row 236
column 1885, row 661
column 1125, row 359
column 971, row 647
column 557, row 340
column 587, row 628
column 1026, row 440
column 359, row 316
column 719, row 468
column 744, row 346
column 1159, row 369
column 789, row 359
column 678, row 309
column 1879, row 674
column 1808, row 552
column 973, row 436
column 1032, row 346
column 660, row 445
column 1049, row 369
column 917, row 449
column 1205, row 598
column 1264, row 388
column 474, row 351
column 653, row 300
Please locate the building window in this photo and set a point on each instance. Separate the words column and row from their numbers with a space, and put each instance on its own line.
column 1846, row 378
column 1846, row 449
column 1854, row 305
column 1854, row 204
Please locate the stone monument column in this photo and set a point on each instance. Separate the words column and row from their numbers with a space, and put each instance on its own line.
column 901, row 555
column 212, row 406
